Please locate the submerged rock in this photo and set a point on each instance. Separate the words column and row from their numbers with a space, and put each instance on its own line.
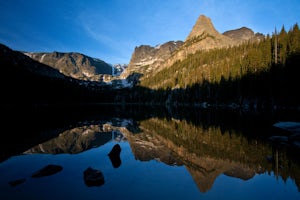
column 47, row 171
column 93, row 177
column 17, row 182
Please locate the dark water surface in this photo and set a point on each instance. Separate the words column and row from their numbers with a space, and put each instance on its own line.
column 165, row 154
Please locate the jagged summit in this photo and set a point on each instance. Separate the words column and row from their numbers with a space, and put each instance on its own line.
column 204, row 36
column 202, row 25
column 146, row 55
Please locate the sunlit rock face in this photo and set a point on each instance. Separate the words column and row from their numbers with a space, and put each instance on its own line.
column 147, row 55
column 243, row 34
column 146, row 58
column 203, row 36
column 210, row 37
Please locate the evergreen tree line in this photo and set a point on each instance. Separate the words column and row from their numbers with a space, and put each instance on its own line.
column 263, row 73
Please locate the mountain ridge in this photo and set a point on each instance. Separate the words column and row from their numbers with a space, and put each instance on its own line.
column 243, row 34
column 73, row 64
column 25, row 80
column 146, row 55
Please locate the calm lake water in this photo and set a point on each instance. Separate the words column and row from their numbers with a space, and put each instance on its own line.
column 164, row 155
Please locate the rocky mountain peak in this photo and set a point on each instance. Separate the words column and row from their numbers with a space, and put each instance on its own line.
column 202, row 25
column 147, row 55
column 147, row 58
column 243, row 34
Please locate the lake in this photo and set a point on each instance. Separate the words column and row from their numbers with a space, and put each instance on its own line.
column 165, row 154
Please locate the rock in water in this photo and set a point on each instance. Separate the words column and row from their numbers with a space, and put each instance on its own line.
column 114, row 156
column 116, row 150
column 93, row 177
column 47, row 171
column 115, row 160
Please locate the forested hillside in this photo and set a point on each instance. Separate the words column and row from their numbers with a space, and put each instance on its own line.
column 261, row 73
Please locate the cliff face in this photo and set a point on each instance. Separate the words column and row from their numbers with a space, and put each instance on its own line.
column 75, row 65
column 146, row 58
column 147, row 55
column 205, row 36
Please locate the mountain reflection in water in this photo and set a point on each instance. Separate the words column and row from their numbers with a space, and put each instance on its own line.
column 76, row 140
column 201, row 155
column 205, row 152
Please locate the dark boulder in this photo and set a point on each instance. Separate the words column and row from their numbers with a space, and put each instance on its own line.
column 116, row 150
column 93, row 177
column 114, row 156
column 47, row 171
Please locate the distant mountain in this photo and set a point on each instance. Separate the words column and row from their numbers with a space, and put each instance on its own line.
column 203, row 36
column 243, row 34
column 15, row 62
column 118, row 69
column 75, row 65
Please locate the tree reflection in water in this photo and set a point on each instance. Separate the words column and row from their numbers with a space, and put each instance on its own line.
column 205, row 151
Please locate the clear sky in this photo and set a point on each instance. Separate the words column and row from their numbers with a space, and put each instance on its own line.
column 111, row 29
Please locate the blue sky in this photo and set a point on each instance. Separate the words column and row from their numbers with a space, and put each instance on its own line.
column 111, row 29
